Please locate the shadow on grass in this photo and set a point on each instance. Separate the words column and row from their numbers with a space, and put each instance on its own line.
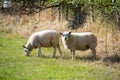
column 84, row 58
column 87, row 58
column 115, row 58
column 68, row 57
column 46, row 56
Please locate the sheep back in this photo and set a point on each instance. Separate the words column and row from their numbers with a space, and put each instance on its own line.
column 46, row 38
column 81, row 41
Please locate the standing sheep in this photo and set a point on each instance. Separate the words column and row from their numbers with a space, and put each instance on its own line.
column 79, row 41
column 46, row 38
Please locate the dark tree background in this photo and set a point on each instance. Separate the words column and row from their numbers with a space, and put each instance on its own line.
column 74, row 11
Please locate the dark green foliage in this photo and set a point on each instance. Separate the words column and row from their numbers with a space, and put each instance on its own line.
column 77, row 9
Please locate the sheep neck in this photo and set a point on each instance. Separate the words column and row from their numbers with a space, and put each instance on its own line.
column 69, row 40
column 29, row 47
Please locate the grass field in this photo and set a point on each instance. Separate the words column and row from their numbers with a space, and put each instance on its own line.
column 14, row 65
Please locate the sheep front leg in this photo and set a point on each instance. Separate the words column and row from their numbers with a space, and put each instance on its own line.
column 39, row 52
column 73, row 53
column 59, row 50
column 53, row 56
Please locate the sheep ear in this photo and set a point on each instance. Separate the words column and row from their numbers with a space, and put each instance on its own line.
column 24, row 46
column 61, row 33
column 69, row 33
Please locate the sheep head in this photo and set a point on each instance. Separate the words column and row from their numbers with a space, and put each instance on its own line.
column 65, row 35
column 26, row 50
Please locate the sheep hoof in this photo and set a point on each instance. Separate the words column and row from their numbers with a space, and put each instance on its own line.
column 39, row 55
column 60, row 55
column 73, row 58
column 53, row 56
column 93, row 58
column 26, row 55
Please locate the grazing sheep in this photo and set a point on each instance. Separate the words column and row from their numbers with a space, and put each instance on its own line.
column 46, row 38
column 79, row 41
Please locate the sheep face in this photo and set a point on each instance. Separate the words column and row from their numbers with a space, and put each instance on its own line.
column 65, row 35
column 65, row 38
column 27, row 51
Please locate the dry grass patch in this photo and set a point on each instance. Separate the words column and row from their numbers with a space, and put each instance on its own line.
column 23, row 25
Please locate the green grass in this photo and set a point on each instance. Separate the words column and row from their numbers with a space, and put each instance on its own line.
column 14, row 65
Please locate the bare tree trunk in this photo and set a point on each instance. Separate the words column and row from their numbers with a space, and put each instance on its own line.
column 91, row 13
column 52, row 14
column 117, row 19
column 117, row 15
column 39, row 11
column 106, row 46
column 67, row 13
column 59, row 13
column 113, row 32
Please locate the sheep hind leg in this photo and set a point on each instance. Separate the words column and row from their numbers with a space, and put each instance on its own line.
column 39, row 52
column 93, row 53
column 53, row 56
